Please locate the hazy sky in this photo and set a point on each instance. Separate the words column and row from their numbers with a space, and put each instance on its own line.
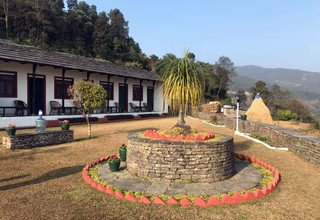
column 269, row 33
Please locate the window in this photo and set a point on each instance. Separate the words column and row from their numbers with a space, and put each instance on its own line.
column 137, row 93
column 58, row 91
column 8, row 84
column 109, row 89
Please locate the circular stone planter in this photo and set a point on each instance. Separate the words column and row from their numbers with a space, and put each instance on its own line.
column 203, row 162
column 214, row 200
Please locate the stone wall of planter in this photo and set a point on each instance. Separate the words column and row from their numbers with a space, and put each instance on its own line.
column 180, row 161
column 24, row 141
column 303, row 145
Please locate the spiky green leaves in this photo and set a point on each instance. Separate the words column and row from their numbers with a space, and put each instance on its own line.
column 181, row 84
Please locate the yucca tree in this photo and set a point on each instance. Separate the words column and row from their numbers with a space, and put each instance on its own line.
column 182, row 86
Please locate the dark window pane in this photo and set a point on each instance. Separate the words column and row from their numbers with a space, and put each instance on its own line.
column 58, row 92
column 108, row 88
column 137, row 93
column 8, row 84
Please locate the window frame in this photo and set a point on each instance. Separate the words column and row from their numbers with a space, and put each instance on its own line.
column 15, row 86
column 140, row 88
column 105, row 83
column 67, row 96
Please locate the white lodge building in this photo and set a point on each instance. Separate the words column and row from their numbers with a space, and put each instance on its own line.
column 33, row 79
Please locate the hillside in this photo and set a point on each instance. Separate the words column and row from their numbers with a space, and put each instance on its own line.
column 302, row 84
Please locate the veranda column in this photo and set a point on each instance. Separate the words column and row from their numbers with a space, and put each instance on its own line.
column 63, row 89
column 34, row 68
column 108, row 95
column 126, row 92
column 141, row 93
column 88, row 75
column 153, row 84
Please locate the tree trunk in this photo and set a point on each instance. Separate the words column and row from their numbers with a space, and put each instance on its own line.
column 181, row 122
column 89, row 125
column 219, row 90
column 6, row 16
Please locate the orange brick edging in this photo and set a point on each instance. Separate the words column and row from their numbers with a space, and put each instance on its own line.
column 212, row 201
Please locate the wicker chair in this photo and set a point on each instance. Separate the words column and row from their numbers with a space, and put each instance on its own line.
column 117, row 106
column 55, row 107
column 134, row 108
column 145, row 107
column 20, row 108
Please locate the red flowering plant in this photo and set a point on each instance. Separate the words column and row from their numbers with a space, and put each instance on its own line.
column 11, row 126
column 178, row 134
column 65, row 125
column 65, row 122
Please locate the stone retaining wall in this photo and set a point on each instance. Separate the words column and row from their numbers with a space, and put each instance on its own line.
column 23, row 141
column 184, row 161
column 303, row 145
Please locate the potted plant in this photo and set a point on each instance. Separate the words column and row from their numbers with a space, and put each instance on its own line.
column 114, row 164
column 65, row 125
column 243, row 117
column 11, row 129
column 123, row 153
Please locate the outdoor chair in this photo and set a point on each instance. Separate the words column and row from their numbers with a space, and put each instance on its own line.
column 117, row 107
column 145, row 107
column 55, row 107
column 134, row 108
column 20, row 108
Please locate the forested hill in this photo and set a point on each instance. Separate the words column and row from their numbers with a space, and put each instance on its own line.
column 76, row 28
column 303, row 83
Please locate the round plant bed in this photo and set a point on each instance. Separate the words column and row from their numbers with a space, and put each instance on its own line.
column 208, row 159
column 184, row 200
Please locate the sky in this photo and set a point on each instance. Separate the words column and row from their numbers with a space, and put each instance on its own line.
column 267, row 33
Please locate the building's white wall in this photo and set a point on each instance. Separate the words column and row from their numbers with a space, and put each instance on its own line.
column 22, row 71
column 50, row 72
column 159, row 104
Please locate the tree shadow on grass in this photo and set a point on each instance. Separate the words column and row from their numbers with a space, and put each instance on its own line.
column 54, row 174
column 85, row 139
column 14, row 178
column 143, row 129
column 17, row 154
column 242, row 145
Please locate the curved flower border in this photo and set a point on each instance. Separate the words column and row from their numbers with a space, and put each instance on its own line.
column 154, row 135
column 212, row 201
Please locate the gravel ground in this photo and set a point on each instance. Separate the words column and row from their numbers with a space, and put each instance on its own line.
column 46, row 183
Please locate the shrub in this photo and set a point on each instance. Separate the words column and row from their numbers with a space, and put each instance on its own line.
column 87, row 97
column 287, row 115
column 213, row 119
column 316, row 124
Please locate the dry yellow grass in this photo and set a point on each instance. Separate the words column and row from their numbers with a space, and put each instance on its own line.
column 46, row 183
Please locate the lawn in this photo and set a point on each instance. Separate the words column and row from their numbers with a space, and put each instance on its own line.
column 46, row 183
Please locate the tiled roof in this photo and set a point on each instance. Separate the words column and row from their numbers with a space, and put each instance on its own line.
column 22, row 53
